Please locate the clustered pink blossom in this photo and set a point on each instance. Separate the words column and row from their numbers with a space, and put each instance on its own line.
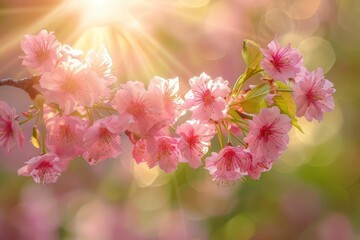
column 206, row 99
column 70, row 85
column 230, row 164
column 82, row 115
column 166, row 153
column 65, row 136
column 195, row 141
column 313, row 96
column 102, row 140
column 41, row 51
column 10, row 132
column 141, row 109
column 46, row 168
column 281, row 63
column 268, row 133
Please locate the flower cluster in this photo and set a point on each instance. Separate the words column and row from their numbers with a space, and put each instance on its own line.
column 79, row 112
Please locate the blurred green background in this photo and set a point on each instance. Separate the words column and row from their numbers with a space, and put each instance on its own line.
column 312, row 192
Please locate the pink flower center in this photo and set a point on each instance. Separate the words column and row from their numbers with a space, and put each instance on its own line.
column 265, row 133
column 193, row 141
column 45, row 173
column 315, row 94
column 135, row 110
column 140, row 148
column 279, row 60
column 226, row 163
column 44, row 165
column 42, row 55
column 40, row 49
column 106, row 136
column 66, row 134
column 70, row 86
column 203, row 95
column 136, row 107
column 165, row 151
column 6, row 127
column 208, row 98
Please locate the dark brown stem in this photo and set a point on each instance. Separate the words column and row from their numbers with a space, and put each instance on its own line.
column 245, row 116
column 26, row 84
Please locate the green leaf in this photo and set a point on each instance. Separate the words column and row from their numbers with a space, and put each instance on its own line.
column 295, row 124
column 35, row 142
column 283, row 86
column 255, row 98
column 238, row 117
column 285, row 102
column 252, row 55
column 234, row 114
column 35, row 137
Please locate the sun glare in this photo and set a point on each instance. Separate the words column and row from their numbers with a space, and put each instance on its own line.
column 124, row 27
column 100, row 12
column 99, row 2
column 131, row 31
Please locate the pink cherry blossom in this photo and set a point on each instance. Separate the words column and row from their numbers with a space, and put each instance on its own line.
column 100, row 62
column 71, row 84
column 281, row 63
column 139, row 151
column 102, row 140
column 40, row 51
column 10, row 131
column 229, row 165
column 195, row 141
column 206, row 99
column 167, row 91
column 259, row 165
column 65, row 136
column 166, row 154
column 44, row 169
column 313, row 96
column 301, row 75
column 143, row 147
column 268, row 133
column 135, row 104
column 67, row 53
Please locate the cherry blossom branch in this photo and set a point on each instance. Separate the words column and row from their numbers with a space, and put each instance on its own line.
column 26, row 84
column 74, row 88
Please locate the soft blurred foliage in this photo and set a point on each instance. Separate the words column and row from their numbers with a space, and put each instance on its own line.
column 312, row 192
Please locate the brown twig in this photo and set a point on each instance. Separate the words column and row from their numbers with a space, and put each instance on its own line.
column 26, row 84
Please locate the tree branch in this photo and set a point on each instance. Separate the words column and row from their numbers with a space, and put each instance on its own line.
column 26, row 84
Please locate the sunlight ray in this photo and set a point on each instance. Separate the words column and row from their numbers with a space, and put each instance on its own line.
column 13, row 38
column 9, row 11
column 141, row 56
column 153, row 43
